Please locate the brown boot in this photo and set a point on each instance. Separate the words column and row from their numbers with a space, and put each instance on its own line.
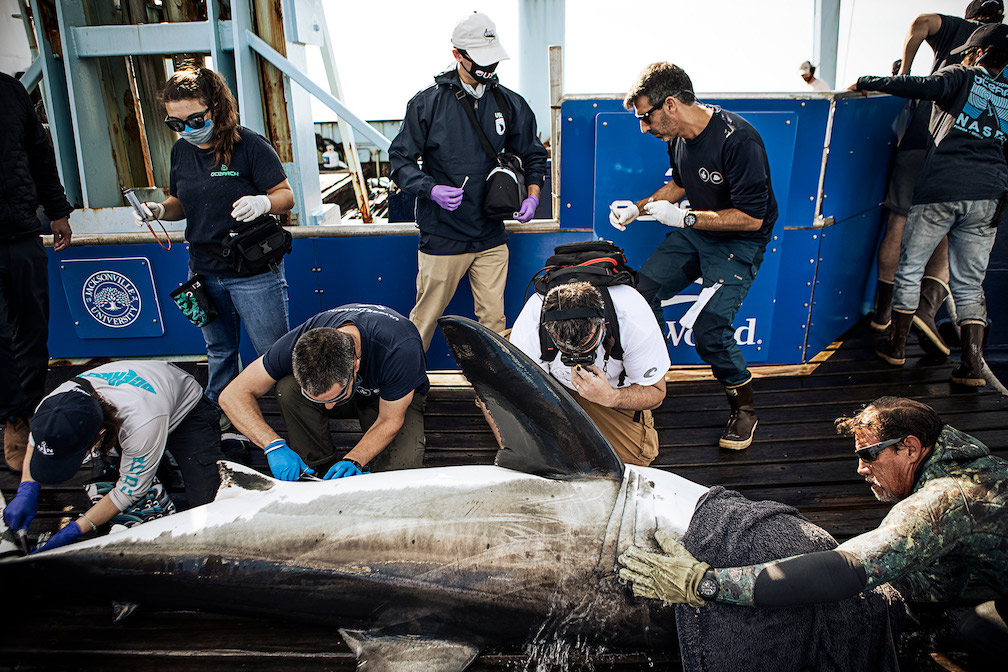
column 893, row 350
column 970, row 369
column 738, row 433
column 882, row 314
column 932, row 295
column 15, row 442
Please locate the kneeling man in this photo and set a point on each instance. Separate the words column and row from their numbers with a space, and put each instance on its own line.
column 358, row 360
column 618, row 395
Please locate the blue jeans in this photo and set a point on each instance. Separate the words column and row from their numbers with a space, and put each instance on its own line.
column 258, row 302
column 686, row 255
column 971, row 234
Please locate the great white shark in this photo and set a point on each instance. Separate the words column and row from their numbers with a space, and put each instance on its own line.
column 420, row 569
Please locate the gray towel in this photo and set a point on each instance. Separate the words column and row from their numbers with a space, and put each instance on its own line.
column 729, row 530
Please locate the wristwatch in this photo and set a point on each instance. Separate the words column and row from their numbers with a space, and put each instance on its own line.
column 708, row 588
column 689, row 219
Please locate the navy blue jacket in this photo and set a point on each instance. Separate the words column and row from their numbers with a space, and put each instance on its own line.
column 28, row 174
column 437, row 130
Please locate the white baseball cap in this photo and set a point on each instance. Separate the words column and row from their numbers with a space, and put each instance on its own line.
column 805, row 68
column 476, row 34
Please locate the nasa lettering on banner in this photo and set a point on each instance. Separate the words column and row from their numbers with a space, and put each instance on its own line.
column 112, row 298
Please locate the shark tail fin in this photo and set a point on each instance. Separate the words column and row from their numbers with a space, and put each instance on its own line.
column 407, row 653
column 237, row 479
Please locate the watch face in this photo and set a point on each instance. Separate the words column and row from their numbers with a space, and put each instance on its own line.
column 708, row 589
column 689, row 220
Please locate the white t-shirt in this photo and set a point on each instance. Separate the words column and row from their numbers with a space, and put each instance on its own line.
column 818, row 85
column 153, row 398
column 645, row 355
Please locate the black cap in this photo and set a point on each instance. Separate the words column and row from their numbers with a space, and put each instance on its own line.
column 63, row 429
column 986, row 7
column 988, row 35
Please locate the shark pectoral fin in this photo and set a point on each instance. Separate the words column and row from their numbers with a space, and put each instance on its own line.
column 408, row 653
column 237, row 479
column 543, row 430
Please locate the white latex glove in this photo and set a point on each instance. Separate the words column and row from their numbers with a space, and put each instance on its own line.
column 622, row 213
column 665, row 212
column 151, row 211
column 248, row 208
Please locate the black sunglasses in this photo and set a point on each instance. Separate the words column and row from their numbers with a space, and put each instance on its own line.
column 871, row 453
column 193, row 121
column 646, row 117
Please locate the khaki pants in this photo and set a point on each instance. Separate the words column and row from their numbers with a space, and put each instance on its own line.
column 438, row 278
column 308, row 429
column 631, row 433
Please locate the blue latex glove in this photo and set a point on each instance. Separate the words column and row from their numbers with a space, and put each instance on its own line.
column 284, row 462
column 21, row 510
column 344, row 468
column 528, row 208
column 67, row 535
column 448, row 198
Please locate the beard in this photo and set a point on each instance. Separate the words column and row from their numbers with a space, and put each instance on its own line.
column 881, row 493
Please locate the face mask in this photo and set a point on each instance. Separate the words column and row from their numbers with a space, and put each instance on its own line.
column 200, row 136
column 482, row 73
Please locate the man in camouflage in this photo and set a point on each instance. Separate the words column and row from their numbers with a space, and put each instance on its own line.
column 949, row 524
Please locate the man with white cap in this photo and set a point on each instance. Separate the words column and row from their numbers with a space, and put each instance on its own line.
column 807, row 72
column 455, row 236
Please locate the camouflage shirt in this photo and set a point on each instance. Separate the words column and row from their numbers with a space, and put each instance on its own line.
column 952, row 527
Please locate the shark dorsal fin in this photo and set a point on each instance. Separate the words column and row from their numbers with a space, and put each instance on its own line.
column 543, row 430
column 237, row 479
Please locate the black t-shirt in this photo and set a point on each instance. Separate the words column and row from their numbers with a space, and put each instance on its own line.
column 969, row 125
column 726, row 167
column 954, row 31
column 392, row 361
column 208, row 191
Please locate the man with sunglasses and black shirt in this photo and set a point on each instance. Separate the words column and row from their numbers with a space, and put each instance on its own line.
column 949, row 525
column 720, row 164
column 360, row 361
column 456, row 238
column 617, row 394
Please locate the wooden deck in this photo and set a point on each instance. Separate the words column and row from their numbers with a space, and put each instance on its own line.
column 797, row 459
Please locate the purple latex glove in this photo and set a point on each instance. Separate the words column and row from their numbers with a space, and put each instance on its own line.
column 448, row 198
column 67, row 535
column 528, row 209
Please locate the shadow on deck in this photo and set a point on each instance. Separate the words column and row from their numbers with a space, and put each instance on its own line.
column 797, row 459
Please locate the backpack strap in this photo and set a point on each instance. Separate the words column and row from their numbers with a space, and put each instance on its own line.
column 463, row 99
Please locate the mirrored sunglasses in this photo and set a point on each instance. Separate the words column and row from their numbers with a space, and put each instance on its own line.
column 194, row 121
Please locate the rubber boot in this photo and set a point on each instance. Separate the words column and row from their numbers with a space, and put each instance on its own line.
column 970, row 369
column 932, row 295
column 882, row 315
column 738, row 433
column 15, row 442
column 893, row 350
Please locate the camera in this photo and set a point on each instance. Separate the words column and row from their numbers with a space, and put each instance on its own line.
column 578, row 358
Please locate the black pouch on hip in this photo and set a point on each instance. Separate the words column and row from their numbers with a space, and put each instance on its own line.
column 195, row 303
column 254, row 247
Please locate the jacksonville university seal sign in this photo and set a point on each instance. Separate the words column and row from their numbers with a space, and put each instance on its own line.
column 111, row 298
